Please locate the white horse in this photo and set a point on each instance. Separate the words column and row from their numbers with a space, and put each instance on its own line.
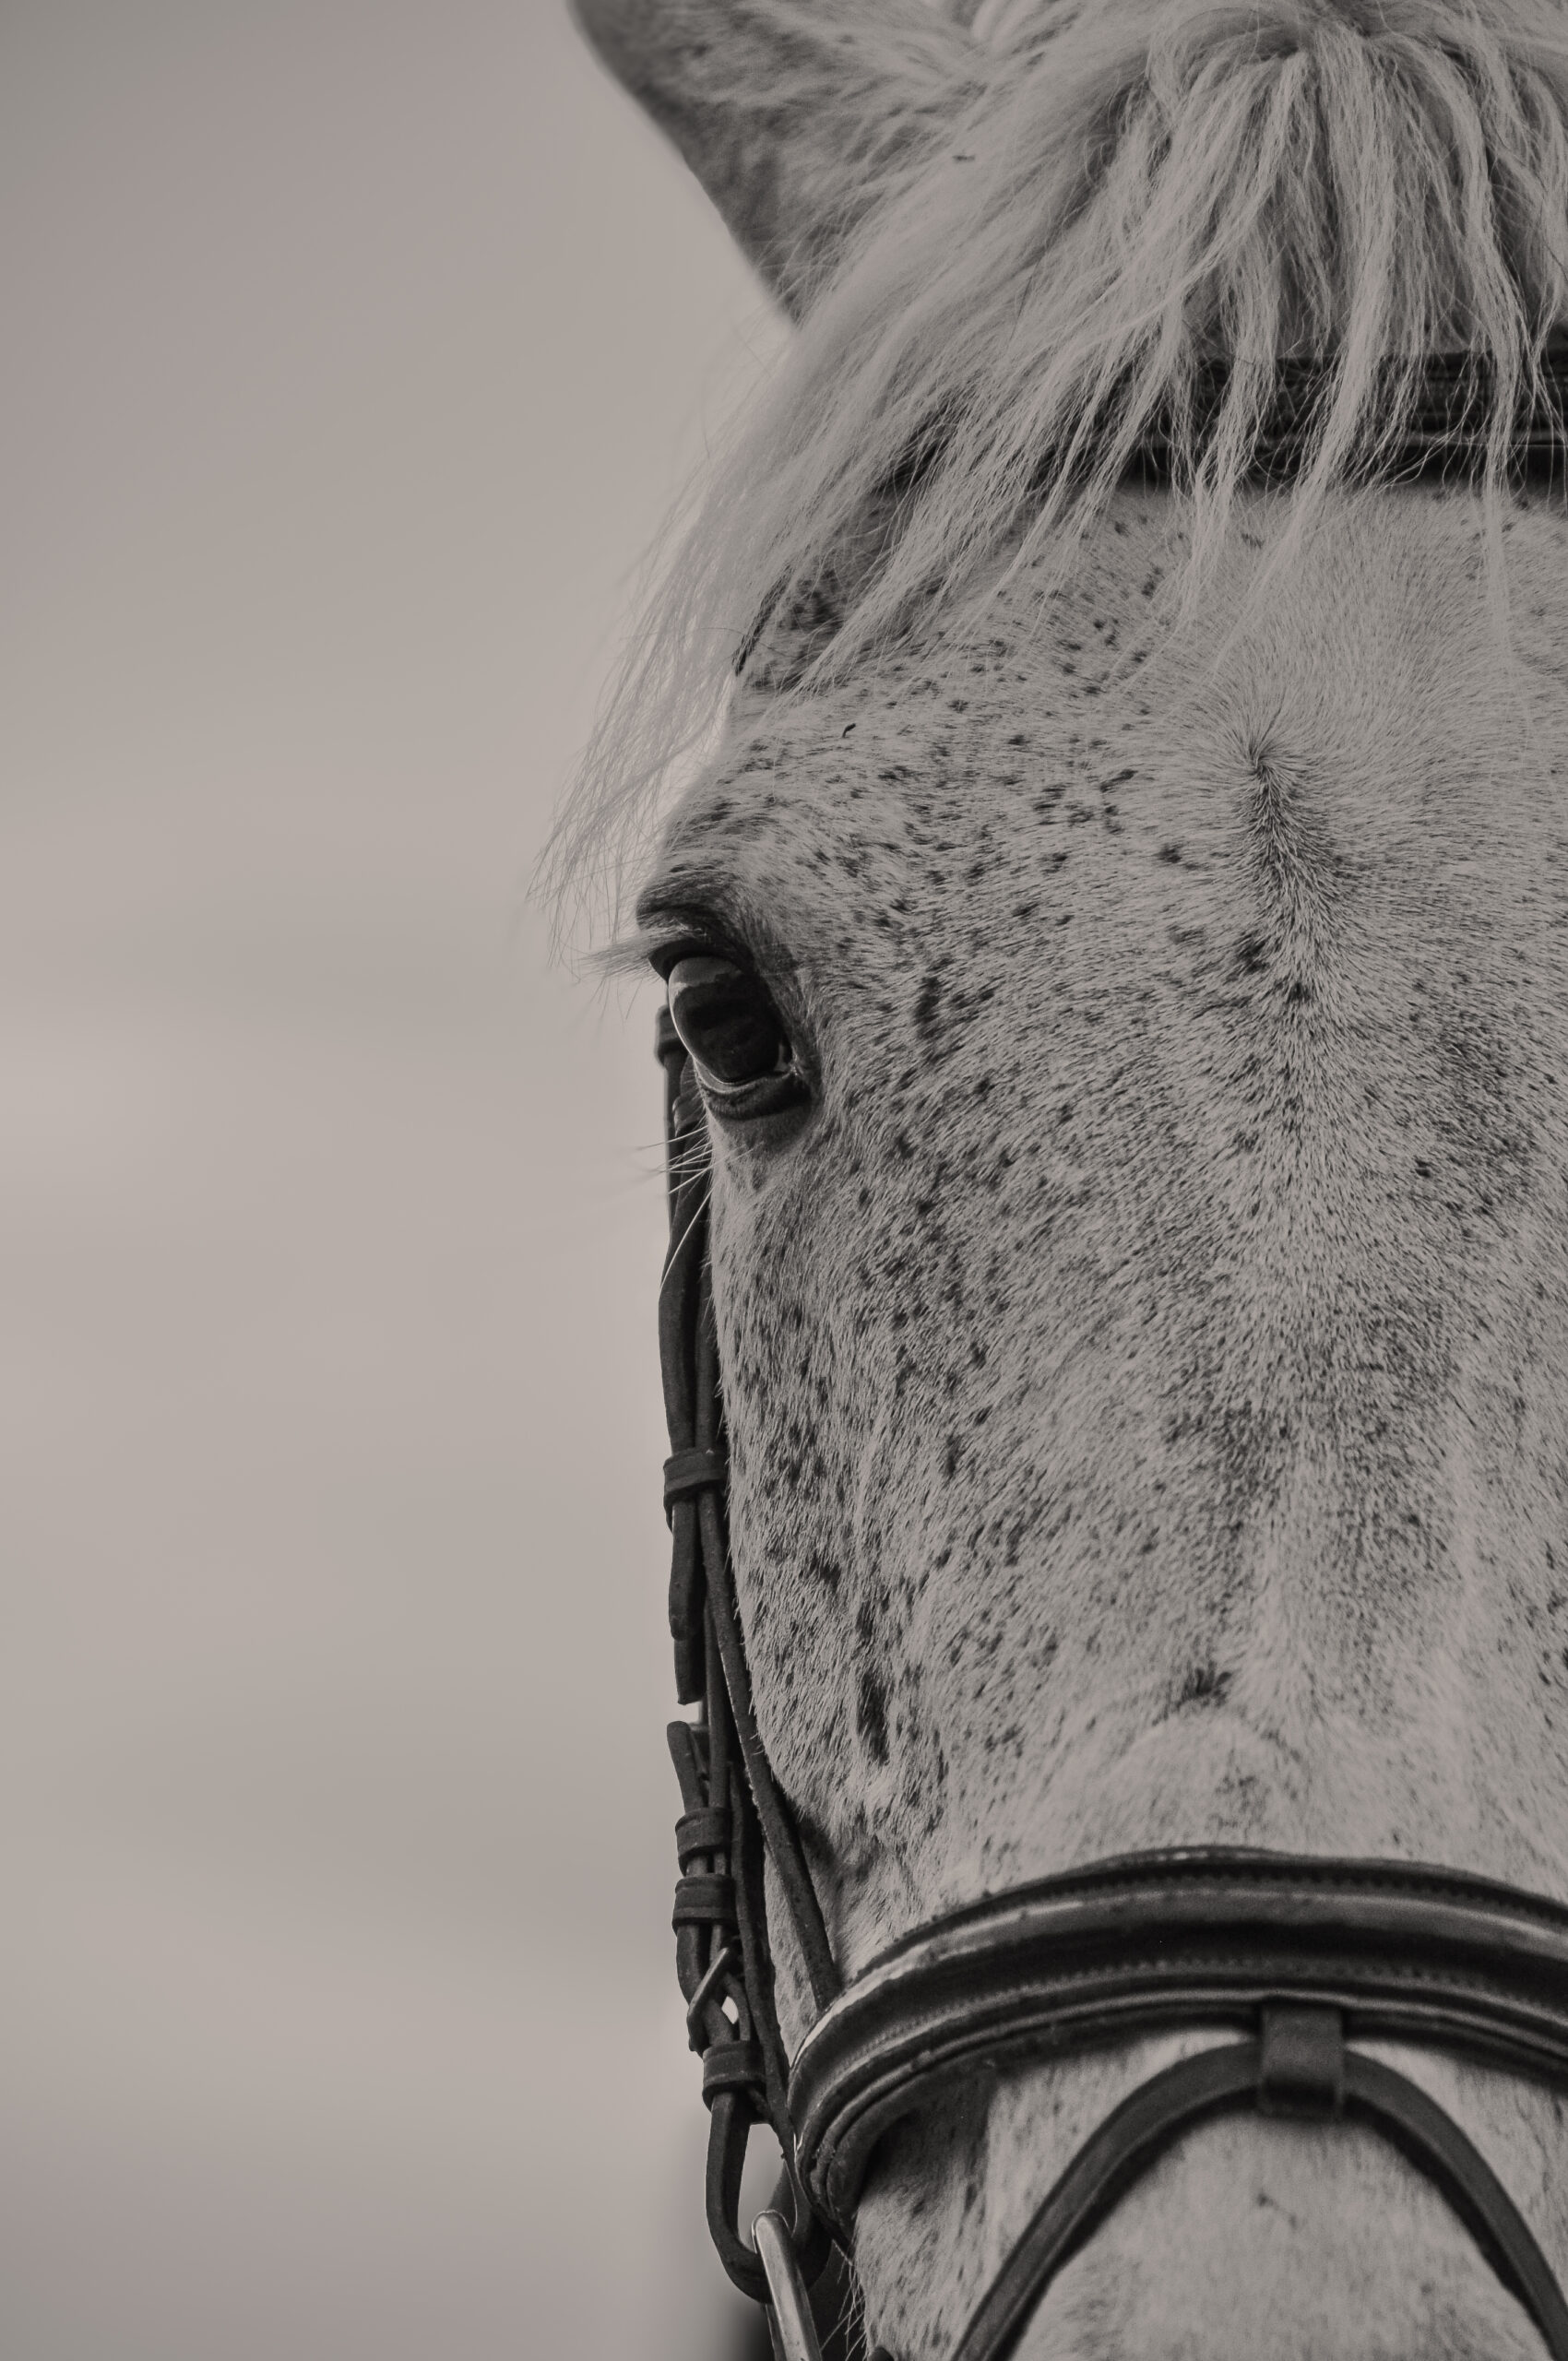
column 1139, row 1130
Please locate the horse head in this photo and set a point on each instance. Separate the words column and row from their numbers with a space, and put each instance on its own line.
column 1121, row 933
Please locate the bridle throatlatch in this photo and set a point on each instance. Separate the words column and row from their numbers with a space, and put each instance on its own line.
column 1302, row 1956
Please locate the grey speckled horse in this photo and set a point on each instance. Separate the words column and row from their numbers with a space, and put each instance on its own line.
column 1140, row 1162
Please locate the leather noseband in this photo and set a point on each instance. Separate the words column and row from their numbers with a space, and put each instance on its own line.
column 1300, row 1954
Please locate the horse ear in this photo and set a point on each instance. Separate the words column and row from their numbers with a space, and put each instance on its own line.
column 796, row 115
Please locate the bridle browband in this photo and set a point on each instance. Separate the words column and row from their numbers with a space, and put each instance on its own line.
column 1302, row 1957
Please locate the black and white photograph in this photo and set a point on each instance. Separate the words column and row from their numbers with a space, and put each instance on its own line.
column 784, row 1180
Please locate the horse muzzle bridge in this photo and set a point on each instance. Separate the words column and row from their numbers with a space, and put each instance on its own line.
column 1302, row 1958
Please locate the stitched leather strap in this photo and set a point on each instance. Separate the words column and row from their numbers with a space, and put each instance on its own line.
column 1181, row 1938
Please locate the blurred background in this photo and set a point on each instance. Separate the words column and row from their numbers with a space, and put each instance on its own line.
column 352, row 351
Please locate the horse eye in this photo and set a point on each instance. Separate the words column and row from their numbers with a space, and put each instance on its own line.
column 728, row 1024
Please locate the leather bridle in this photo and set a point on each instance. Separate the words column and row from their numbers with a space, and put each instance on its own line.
column 1304, row 1959
column 1304, row 1956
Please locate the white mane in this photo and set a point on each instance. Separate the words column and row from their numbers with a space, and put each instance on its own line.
column 1133, row 191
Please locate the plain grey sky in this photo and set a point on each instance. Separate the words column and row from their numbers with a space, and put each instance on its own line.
column 352, row 351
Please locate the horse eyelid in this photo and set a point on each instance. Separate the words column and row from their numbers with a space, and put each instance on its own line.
column 685, row 935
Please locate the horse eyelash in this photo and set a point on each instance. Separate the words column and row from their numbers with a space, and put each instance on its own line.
column 634, row 952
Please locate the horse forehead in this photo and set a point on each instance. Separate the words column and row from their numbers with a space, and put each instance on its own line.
column 929, row 775
column 966, row 801
column 881, row 801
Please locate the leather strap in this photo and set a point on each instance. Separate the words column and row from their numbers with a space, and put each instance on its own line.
column 1184, row 1938
column 1445, row 434
column 1336, row 2081
column 689, row 1472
